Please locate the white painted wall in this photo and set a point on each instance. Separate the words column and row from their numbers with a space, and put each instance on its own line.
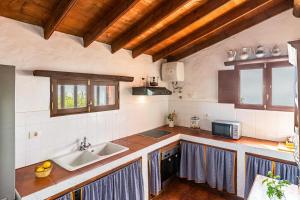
column 23, row 45
column 201, row 83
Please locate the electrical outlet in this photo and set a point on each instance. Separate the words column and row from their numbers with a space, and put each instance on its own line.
column 206, row 116
column 33, row 134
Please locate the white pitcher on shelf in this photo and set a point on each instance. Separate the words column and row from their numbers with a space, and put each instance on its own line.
column 231, row 54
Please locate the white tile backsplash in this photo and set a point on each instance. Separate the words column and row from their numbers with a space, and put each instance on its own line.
column 247, row 119
column 270, row 125
column 59, row 135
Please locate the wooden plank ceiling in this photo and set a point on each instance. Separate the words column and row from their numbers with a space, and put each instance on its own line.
column 170, row 29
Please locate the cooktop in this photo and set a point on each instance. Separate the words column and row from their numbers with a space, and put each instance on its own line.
column 155, row 133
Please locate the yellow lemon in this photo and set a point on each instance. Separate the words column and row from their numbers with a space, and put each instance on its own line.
column 47, row 164
column 40, row 169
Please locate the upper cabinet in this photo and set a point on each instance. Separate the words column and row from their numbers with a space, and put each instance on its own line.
column 226, row 86
column 262, row 84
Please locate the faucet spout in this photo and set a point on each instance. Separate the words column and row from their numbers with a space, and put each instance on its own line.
column 84, row 145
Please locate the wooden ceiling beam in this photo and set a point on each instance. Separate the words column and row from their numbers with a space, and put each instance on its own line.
column 161, row 12
column 59, row 13
column 296, row 10
column 177, row 26
column 211, row 26
column 245, row 22
column 108, row 20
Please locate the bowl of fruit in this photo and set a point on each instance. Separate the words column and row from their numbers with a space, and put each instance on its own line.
column 43, row 170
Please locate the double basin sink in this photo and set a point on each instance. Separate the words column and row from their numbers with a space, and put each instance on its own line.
column 79, row 159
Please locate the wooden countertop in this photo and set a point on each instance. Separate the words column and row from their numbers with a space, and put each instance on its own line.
column 27, row 183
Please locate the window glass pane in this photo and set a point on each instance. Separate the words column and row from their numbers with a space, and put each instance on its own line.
column 251, row 86
column 104, row 95
column 72, row 96
column 283, row 79
column 81, row 96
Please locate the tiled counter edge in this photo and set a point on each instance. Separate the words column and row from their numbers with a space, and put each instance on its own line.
column 240, row 148
column 61, row 186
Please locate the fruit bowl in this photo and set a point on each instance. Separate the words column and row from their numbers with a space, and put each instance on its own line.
column 44, row 170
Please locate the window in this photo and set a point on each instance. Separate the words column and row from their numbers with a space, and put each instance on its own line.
column 266, row 86
column 281, row 83
column 105, row 95
column 71, row 96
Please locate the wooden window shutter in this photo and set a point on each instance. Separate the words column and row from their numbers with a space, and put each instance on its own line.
column 226, row 86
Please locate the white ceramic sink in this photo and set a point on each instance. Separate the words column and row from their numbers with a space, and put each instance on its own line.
column 107, row 149
column 78, row 159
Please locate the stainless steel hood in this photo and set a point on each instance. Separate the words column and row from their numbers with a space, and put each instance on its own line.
column 150, row 91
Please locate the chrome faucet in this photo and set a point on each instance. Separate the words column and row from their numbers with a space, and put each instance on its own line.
column 84, row 145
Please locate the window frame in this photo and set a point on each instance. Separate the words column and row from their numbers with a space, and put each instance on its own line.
column 55, row 81
column 115, row 106
column 269, row 105
column 238, row 104
column 267, row 86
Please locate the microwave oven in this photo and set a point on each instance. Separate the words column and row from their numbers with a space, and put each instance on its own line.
column 228, row 129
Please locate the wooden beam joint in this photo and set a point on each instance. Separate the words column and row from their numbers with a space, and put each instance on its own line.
column 164, row 10
column 59, row 13
column 108, row 20
column 296, row 10
column 172, row 29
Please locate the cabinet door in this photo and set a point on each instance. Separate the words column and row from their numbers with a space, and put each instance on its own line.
column 154, row 173
column 226, row 86
column 221, row 168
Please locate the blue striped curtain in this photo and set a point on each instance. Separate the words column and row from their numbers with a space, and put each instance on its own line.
column 128, row 183
column 255, row 166
column 98, row 190
column 124, row 184
column 65, row 197
column 192, row 163
column 287, row 172
column 155, row 177
column 220, row 166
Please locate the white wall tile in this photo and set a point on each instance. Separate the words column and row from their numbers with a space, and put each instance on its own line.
column 58, row 135
column 200, row 88
column 271, row 125
column 20, row 146
column 247, row 119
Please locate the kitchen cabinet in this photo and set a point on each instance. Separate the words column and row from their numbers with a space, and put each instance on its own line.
column 207, row 164
column 261, row 165
column 125, row 183
column 154, row 173
column 220, row 169
column 226, row 86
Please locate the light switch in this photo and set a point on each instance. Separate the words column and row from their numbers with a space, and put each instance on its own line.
column 33, row 134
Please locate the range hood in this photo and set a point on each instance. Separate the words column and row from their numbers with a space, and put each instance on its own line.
column 150, row 91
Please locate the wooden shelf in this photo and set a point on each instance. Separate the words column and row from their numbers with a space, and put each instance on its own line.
column 257, row 60
column 46, row 73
